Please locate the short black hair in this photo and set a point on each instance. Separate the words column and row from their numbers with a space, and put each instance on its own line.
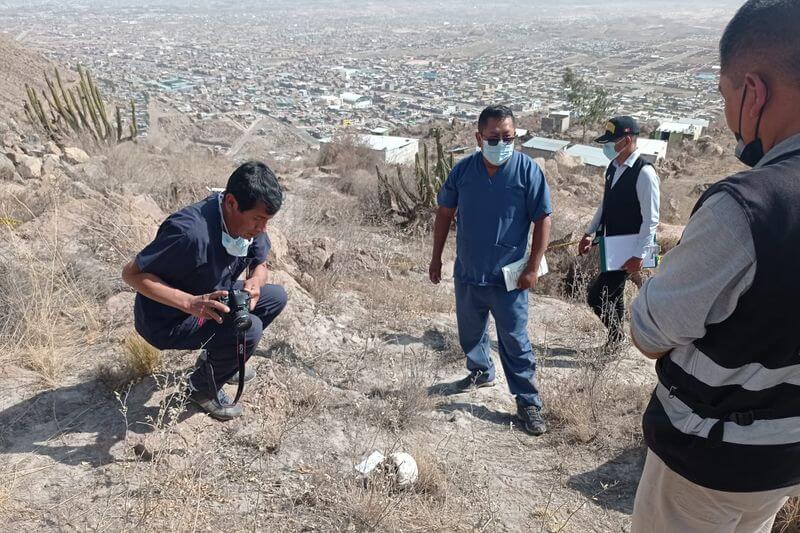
column 255, row 182
column 763, row 32
column 498, row 112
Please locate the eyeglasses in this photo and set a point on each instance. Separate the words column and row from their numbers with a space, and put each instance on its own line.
column 506, row 140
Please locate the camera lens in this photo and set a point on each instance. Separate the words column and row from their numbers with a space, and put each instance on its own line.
column 242, row 321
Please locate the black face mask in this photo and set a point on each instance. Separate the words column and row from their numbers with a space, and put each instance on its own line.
column 753, row 152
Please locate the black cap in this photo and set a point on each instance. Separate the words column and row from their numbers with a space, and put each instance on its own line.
column 617, row 128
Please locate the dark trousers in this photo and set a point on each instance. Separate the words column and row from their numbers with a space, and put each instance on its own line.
column 510, row 312
column 607, row 298
column 219, row 340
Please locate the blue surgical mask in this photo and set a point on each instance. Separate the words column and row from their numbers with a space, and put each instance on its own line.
column 498, row 154
column 236, row 247
column 609, row 152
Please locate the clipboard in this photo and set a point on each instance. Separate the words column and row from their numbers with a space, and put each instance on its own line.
column 512, row 271
column 615, row 252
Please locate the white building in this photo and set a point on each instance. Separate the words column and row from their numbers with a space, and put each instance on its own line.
column 394, row 150
column 543, row 147
column 590, row 155
column 556, row 122
column 677, row 131
column 356, row 101
column 653, row 150
column 698, row 123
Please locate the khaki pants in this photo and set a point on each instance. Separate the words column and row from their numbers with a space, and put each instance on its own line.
column 667, row 502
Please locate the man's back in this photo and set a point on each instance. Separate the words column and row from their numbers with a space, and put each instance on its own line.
column 729, row 397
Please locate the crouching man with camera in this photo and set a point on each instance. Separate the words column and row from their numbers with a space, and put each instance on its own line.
column 189, row 295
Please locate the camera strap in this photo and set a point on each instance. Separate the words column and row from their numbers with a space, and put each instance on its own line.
column 241, row 346
column 241, row 350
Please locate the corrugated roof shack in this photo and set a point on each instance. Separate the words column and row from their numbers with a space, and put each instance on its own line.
column 543, row 147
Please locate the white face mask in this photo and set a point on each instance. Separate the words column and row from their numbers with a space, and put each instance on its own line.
column 236, row 247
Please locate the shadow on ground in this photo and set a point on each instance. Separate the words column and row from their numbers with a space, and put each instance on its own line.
column 79, row 424
column 480, row 412
column 612, row 485
column 433, row 339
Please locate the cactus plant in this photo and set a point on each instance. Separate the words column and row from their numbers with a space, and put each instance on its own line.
column 134, row 127
column 77, row 109
column 398, row 197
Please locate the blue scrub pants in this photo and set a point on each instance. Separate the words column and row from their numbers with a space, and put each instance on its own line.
column 220, row 339
column 510, row 312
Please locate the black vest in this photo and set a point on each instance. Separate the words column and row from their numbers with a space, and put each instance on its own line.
column 622, row 212
column 763, row 330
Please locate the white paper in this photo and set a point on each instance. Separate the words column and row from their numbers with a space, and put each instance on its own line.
column 620, row 248
column 513, row 271
column 369, row 464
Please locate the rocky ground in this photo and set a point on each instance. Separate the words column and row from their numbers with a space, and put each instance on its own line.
column 94, row 437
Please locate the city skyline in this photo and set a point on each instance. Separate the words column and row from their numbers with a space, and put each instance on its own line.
column 308, row 64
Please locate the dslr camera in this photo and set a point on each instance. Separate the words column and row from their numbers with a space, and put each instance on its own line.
column 239, row 304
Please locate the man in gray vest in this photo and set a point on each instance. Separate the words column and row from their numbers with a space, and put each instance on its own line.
column 721, row 316
column 630, row 207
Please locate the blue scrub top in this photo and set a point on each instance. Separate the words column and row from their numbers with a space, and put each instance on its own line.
column 494, row 215
column 187, row 254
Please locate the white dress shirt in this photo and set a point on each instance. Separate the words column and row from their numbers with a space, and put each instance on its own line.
column 648, row 192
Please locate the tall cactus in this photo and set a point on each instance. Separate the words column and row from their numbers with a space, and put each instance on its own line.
column 134, row 126
column 77, row 109
column 119, row 124
column 409, row 201
column 68, row 104
column 429, row 183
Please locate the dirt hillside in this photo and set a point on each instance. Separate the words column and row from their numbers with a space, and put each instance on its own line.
column 20, row 66
column 95, row 433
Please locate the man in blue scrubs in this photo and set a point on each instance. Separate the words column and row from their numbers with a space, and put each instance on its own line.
column 495, row 195
column 197, row 255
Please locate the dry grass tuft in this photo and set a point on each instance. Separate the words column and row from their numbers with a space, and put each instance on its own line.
column 141, row 357
column 138, row 359
column 121, row 227
column 590, row 404
column 405, row 403
column 298, row 398
column 592, row 407
column 44, row 312
column 432, row 480
column 788, row 519
column 403, row 297
column 174, row 180
column 165, row 484
column 5, row 498
column 348, row 155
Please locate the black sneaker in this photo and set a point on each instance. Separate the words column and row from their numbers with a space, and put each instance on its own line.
column 532, row 419
column 475, row 380
column 219, row 407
